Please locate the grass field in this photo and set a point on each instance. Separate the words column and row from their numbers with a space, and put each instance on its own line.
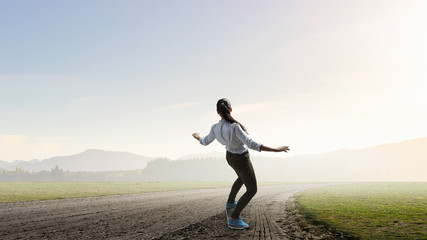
column 369, row 211
column 32, row 191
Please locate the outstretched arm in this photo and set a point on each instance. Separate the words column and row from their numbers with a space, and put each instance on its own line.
column 204, row 140
column 277, row 149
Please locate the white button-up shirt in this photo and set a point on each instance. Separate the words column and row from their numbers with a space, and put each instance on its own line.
column 232, row 136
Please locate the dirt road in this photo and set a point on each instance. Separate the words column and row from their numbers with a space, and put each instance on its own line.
column 191, row 214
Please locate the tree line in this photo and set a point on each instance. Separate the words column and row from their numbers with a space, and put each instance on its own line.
column 57, row 174
column 161, row 169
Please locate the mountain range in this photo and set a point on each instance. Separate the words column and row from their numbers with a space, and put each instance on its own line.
column 403, row 161
column 90, row 160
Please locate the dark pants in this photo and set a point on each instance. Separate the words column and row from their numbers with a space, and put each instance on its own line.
column 241, row 163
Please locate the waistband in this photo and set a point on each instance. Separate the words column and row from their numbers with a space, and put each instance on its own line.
column 238, row 154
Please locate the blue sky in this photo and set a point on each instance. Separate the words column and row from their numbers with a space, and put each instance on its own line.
column 141, row 76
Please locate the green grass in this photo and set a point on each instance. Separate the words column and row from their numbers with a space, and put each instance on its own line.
column 31, row 191
column 370, row 210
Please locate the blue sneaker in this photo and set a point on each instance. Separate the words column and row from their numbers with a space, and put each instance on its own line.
column 237, row 224
column 229, row 207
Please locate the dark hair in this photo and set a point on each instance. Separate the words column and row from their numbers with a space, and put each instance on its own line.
column 223, row 107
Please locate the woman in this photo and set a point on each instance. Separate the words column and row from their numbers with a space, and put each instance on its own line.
column 229, row 132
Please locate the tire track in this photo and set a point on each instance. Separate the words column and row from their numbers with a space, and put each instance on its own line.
column 267, row 213
column 264, row 214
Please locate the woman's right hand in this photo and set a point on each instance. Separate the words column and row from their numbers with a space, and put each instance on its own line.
column 196, row 136
column 283, row 149
column 278, row 149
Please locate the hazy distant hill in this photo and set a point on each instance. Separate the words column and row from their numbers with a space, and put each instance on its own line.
column 11, row 166
column 204, row 155
column 205, row 169
column 405, row 161
column 89, row 160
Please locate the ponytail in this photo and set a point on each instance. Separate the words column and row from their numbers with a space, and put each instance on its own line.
column 223, row 107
